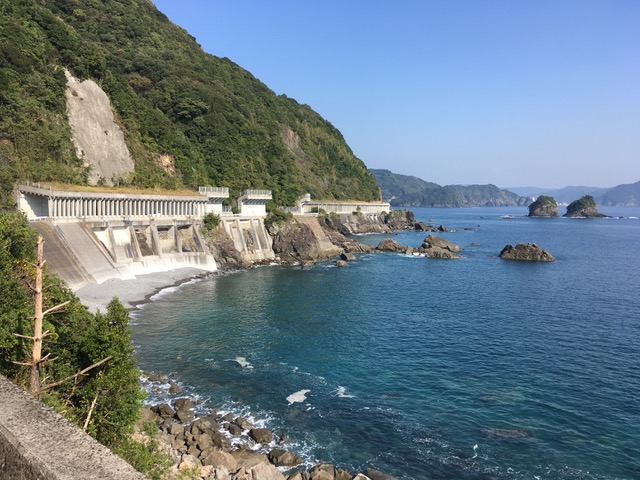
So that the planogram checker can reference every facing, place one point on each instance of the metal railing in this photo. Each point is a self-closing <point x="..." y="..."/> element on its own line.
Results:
<point x="216" y="190"/>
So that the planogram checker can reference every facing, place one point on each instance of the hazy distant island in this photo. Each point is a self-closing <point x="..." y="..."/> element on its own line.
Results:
<point x="625" y="195"/>
<point x="410" y="191"/>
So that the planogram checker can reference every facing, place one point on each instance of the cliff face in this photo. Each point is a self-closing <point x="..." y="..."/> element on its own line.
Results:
<point x="544" y="206"/>
<point x="584" y="207"/>
<point x="98" y="139"/>
<point x="314" y="239"/>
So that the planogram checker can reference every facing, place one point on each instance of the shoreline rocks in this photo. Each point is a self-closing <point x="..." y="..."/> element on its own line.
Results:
<point x="219" y="446"/>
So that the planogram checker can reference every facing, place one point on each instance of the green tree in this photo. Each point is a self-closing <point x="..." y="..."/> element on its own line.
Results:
<point x="105" y="400"/>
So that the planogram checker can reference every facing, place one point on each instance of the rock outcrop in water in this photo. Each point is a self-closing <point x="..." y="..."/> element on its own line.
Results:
<point x="390" y="245"/>
<point x="432" y="247"/>
<point x="585" y="207"/>
<point x="526" y="252"/>
<point x="437" y="247"/>
<point x="544" y="206"/>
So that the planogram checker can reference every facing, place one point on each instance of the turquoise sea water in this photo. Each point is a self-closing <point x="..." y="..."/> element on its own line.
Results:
<point x="406" y="364"/>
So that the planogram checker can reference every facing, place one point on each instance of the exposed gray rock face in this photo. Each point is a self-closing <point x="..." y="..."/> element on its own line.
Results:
<point x="527" y="252"/>
<point x="98" y="139"/>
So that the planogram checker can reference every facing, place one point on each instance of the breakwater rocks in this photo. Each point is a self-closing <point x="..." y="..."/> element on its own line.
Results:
<point x="220" y="446"/>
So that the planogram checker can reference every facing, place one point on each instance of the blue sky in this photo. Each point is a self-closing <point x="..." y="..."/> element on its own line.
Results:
<point x="509" y="92"/>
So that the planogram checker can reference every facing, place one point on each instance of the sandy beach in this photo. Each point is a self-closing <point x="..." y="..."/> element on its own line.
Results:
<point x="134" y="291"/>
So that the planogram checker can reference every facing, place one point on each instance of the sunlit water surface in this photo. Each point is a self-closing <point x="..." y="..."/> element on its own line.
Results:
<point x="429" y="369"/>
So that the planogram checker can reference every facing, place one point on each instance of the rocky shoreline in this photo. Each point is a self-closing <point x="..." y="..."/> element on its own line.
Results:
<point x="218" y="445"/>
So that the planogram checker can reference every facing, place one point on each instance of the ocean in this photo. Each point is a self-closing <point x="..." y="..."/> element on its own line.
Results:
<point x="474" y="368"/>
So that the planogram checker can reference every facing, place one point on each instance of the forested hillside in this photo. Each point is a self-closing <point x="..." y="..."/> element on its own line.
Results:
<point x="189" y="118"/>
<point x="408" y="191"/>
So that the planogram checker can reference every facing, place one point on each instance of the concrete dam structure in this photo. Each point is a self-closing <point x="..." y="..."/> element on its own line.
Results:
<point x="91" y="237"/>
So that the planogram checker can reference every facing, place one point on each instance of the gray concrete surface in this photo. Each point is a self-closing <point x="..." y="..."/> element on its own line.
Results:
<point x="38" y="443"/>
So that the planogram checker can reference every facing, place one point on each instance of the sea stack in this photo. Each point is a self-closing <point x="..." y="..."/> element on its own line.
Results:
<point x="583" y="208"/>
<point x="544" y="206"/>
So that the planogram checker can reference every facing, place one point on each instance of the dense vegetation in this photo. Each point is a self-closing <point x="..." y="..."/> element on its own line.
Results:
<point x="544" y="206"/>
<point x="408" y="191"/>
<point x="77" y="340"/>
<point x="583" y="207"/>
<point x="218" y="124"/>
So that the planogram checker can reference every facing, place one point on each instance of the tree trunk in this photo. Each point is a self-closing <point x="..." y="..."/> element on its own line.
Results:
<point x="36" y="354"/>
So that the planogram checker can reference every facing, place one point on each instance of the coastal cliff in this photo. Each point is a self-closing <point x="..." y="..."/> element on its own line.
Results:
<point x="314" y="239"/>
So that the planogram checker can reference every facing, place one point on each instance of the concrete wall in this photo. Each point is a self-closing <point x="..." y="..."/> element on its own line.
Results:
<point x="86" y="253"/>
<point x="250" y="238"/>
<point x="37" y="443"/>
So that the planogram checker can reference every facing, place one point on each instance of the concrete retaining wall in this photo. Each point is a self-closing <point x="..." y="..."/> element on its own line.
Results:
<point x="37" y="443"/>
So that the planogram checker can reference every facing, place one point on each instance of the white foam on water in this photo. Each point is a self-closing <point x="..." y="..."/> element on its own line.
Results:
<point x="341" y="392"/>
<point x="298" y="397"/>
<point x="242" y="361"/>
<point x="166" y="291"/>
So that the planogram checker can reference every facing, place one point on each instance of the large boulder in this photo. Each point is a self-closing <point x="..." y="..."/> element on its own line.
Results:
<point x="261" y="435"/>
<point x="249" y="458"/>
<point x="544" y="206"/>
<point x="374" y="474"/>
<point x="261" y="471"/>
<point x="433" y="241"/>
<point x="583" y="208"/>
<point x="390" y="245"/>
<point x="184" y="404"/>
<point x="284" y="458"/>
<point x="437" y="247"/>
<point x="218" y="459"/>
<point x="526" y="251"/>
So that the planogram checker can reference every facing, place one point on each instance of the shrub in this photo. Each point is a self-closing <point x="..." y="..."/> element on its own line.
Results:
<point x="211" y="220"/>
<point x="277" y="216"/>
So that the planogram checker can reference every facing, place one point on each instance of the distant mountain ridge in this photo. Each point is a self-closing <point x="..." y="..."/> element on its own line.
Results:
<point x="561" y="195"/>
<point x="410" y="191"/>
<point x="625" y="195"/>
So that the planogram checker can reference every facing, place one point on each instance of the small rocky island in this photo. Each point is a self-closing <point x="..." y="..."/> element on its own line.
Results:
<point x="544" y="206"/>
<point x="585" y="207"/>
<point x="527" y="252"/>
